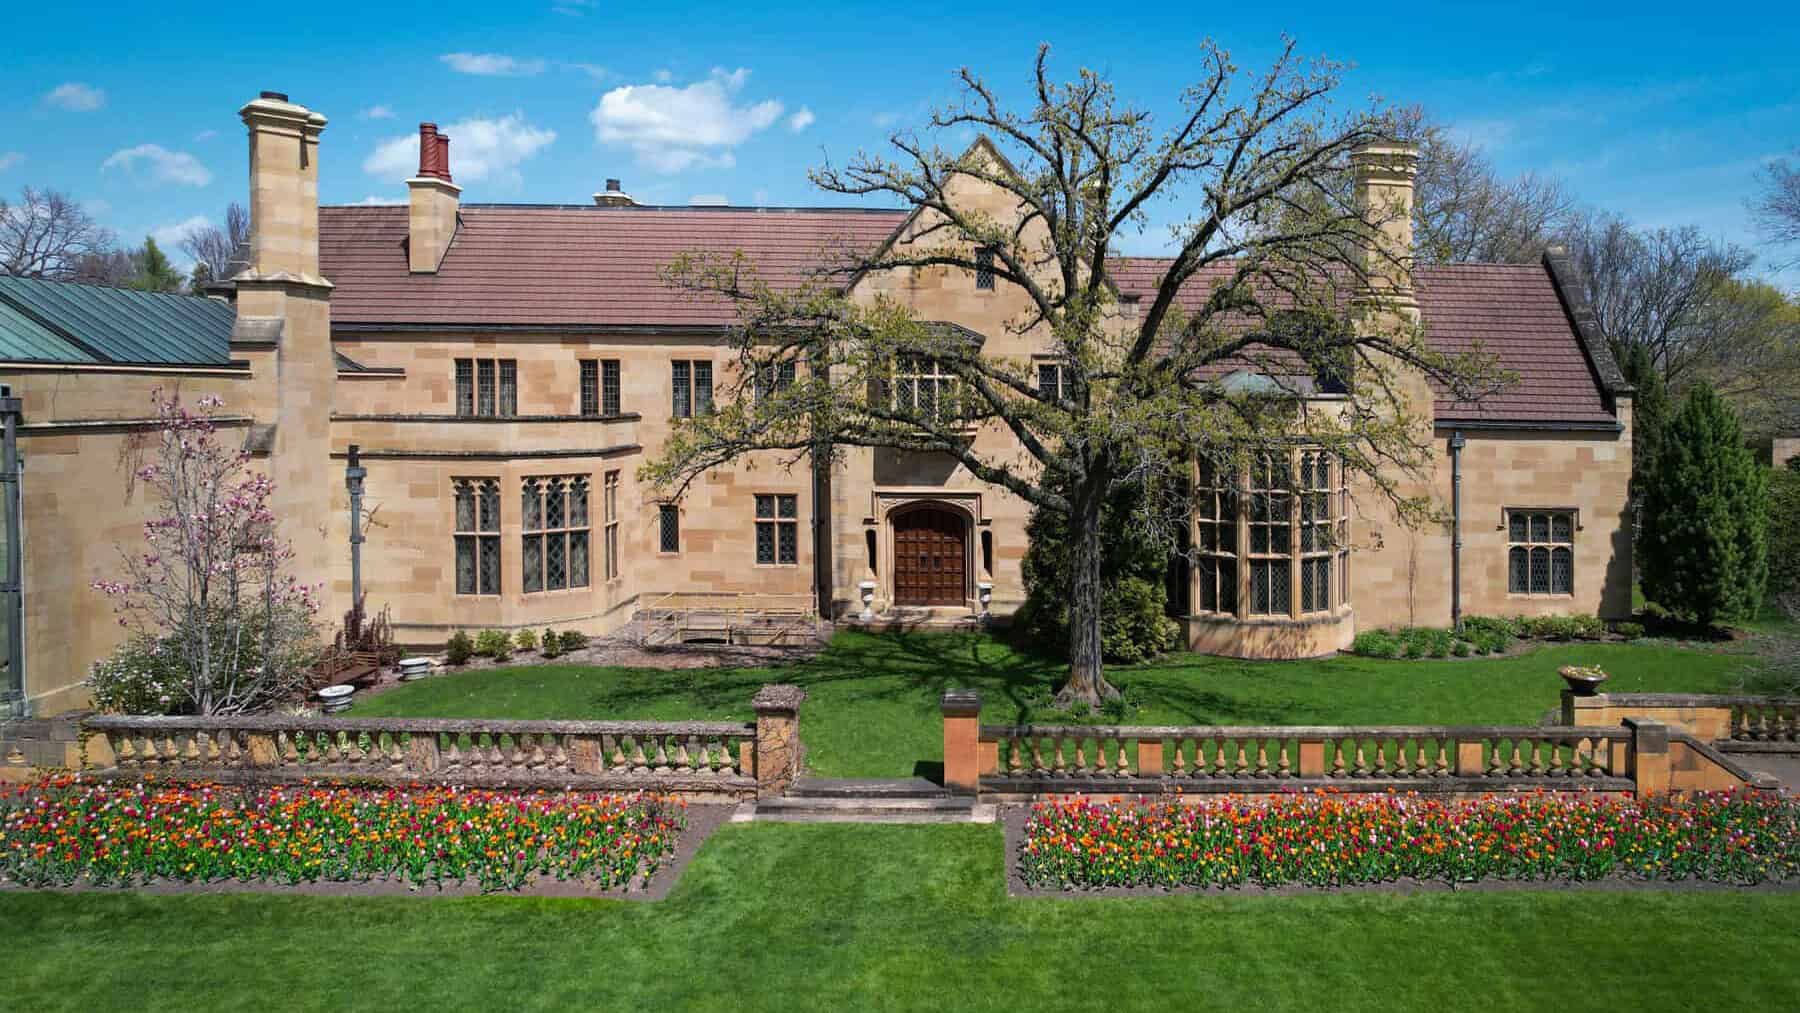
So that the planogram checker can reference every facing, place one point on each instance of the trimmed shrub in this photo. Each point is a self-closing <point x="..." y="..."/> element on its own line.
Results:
<point x="552" y="644"/>
<point x="1375" y="644"/>
<point x="1461" y="649"/>
<point x="1630" y="631"/>
<point x="1132" y="625"/>
<point x="525" y="640"/>
<point x="572" y="640"/>
<point x="495" y="644"/>
<point x="1704" y="547"/>
<point x="459" y="649"/>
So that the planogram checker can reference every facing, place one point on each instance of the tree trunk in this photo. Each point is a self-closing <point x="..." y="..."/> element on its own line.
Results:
<point x="1087" y="679"/>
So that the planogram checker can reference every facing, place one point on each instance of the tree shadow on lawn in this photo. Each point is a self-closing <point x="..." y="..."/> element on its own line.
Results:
<point x="890" y="667"/>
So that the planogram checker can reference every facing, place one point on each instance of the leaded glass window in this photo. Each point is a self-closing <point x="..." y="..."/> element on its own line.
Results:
<point x="1279" y="528"/>
<point x="777" y="529"/>
<point x="609" y="386"/>
<point x="465" y="386"/>
<point x="774" y="378"/>
<point x="555" y="532"/>
<point x="610" y="517"/>
<point x="590" y="387"/>
<point x="477" y="535"/>
<point x="924" y="389"/>
<point x="668" y="522"/>
<point x="1540" y="554"/>
<point x="509" y="387"/>
<point x="487" y="387"/>
<point x="984" y="268"/>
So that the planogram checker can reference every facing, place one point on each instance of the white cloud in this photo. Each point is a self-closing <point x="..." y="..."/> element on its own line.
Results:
<point x="492" y="64"/>
<point x="206" y="135"/>
<point x="377" y="112"/>
<point x="8" y="159"/>
<point x="377" y="201"/>
<point x="664" y="76"/>
<point x="672" y="129"/>
<point x="169" y="236"/>
<point x="76" y="97"/>
<point x="801" y="120"/>
<point x="164" y="166"/>
<point x="478" y="149"/>
<point x="709" y="200"/>
<point x="593" y="70"/>
<point x="98" y="208"/>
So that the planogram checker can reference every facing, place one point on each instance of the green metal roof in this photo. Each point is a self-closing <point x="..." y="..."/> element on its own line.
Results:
<point x="61" y="321"/>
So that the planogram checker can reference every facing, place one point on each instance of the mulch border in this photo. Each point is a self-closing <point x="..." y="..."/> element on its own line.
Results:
<point x="1013" y="817"/>
<point x="702" y="821"/>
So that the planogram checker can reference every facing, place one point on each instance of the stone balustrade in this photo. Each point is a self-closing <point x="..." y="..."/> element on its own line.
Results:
<point x="699" y="758"/>
<point x="1733" y="723"/>
<point x="1027" y="761"/>
<point x="1040" y="757"/>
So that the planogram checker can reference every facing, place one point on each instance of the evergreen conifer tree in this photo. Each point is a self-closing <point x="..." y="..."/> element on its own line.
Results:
<point x="1704" y="544"/>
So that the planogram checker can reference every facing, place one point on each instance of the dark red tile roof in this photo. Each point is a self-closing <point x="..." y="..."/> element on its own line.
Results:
<point x="560" y="267"/>
<point x="572" y="266"/>
<point x="1511" y="311"/>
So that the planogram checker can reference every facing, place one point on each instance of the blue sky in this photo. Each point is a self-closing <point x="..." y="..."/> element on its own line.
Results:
<point x="1657" y="112"/>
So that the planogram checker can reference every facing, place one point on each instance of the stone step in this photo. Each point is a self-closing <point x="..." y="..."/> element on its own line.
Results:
<point x="872" y="810"/>
<point x="863" y="787"/>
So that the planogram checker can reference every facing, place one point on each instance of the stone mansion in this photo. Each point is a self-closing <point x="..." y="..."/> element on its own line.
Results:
<point x="504" y="370"/>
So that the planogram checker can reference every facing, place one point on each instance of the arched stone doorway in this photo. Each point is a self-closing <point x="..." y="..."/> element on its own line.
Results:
<point x="931" y="556"/>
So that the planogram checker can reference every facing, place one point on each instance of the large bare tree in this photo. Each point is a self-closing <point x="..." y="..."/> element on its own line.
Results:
<point x="1652" y="289"/>
<point x="1468" y="212"/>
<point x="213" y="248"/>
<point x="1776" y="206"/>
<point x="1271" y="271"/>
<point x="46" y="234"/>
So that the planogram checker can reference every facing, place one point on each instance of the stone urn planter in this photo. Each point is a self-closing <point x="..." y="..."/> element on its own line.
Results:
<point x="1583" y="680"/>
<point x="412" y="669"/>
<point x="336" y="698"/>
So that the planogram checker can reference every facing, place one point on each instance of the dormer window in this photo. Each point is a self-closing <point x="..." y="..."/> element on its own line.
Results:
<point x="984" y="269"/>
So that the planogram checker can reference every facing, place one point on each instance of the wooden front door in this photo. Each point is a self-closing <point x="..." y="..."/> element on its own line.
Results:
<point x="929" y="548"/>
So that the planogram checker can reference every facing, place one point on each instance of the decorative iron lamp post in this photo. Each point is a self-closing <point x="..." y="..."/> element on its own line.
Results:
<point x="353" y="480"/>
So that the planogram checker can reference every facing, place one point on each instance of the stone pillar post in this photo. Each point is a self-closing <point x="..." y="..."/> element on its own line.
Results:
<point x="1649" y="756"/>
<point x="778" y="748"/>
<point x="962" y="740"/>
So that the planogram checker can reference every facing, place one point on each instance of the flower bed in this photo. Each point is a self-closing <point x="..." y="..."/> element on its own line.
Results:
<point x="1328" y="840"/>
<point x="60" y="832"/>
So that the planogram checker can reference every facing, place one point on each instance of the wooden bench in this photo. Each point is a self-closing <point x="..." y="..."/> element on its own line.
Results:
<point x="355" y="668"/>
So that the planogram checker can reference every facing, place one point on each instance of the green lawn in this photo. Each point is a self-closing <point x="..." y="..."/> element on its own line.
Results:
<point x="872" y="701"/>
<point x="785" y="917"/>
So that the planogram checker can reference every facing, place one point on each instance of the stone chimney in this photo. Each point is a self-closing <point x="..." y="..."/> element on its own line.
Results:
<point x="613" y="197"/>
<point x="432" y="204"/>
<point x="1384" y="173"/>
<point x="283" y="325"/>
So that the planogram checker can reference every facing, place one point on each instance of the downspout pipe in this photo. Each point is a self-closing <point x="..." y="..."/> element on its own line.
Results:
<point x="1456" y="448"/>
<point x="12" y="587"/>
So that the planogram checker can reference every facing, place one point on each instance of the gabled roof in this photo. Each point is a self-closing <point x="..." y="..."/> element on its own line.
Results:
<point x="573" y="266"/>
<point x="584" y="267"/>
<point x="1511" y="311"/>
<point x="61" y="321"/>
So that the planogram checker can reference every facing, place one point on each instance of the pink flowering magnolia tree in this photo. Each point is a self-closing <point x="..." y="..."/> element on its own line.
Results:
<point x="208" y="599"/>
